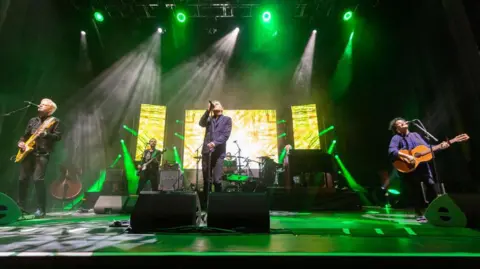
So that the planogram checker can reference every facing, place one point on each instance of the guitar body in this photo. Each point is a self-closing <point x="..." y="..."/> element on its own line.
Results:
<point x="421" y="153"/>
<point x="22" y="154"/>
<point x="30" y="143"/>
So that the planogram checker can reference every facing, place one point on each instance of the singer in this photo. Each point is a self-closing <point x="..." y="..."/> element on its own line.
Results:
<point x="217" y="131"/>
<point x="35" y="164"/>
<point x="404" y="139"/>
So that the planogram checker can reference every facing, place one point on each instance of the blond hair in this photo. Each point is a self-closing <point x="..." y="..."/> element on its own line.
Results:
<point x="216" y="101"/>
<point x="52" y="105"/>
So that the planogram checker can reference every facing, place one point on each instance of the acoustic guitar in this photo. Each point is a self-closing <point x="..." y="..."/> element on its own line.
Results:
<point x="422" y="154"/>
<point x="30" y="143"/>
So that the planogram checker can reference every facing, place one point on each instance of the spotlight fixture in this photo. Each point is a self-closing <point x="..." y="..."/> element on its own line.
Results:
<point x="159" y="30"/>
<point x="314" y="31"/>
<point x="347" y="16"/>
<point x="181" y="17"/>
<point x="266" y="16"/>
<point x="98" y="16"/>
<point x="83" y="33"/>
<point x="237" y="29"/>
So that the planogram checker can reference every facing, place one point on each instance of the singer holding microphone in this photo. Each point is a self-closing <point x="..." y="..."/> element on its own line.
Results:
<point x="34" y="165"/>
<point x="218" y="128"/>
<point x="404" y="139"/>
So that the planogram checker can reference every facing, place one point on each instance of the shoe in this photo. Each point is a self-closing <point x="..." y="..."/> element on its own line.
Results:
<point x="422" y="219"/>
<point x="39" y="214"/>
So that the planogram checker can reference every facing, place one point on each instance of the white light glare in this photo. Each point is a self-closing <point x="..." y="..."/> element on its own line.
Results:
<point x="314" y="31"/>
<point x="237" y="29"/>
<point x="159" y="30"/>
<point x="83" y="33"/>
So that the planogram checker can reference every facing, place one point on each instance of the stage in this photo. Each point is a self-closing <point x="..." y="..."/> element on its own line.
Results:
<point x="373" y="232"/>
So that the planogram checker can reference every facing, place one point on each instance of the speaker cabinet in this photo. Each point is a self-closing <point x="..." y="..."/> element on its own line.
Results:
<point x="109" y="204"/>
<point x="244" y="212"/>
<point x="170" y="180"/>
<point x="115" y="183"/>
<point x="155" y="211"/>
<point x="9" y="210"/>
<point x="130" y="204"/>
<point x="455" y="210"/>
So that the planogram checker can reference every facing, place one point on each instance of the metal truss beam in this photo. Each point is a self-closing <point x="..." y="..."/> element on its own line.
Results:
<point x="201" y="8"/>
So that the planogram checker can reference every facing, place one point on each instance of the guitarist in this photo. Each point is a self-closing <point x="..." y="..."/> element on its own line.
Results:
<point x="151" y="159"/>
<point x="35" y="164"/>
<point x="404" y="139"/>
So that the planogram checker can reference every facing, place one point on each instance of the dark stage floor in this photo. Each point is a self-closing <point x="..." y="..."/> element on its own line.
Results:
<point x="373" y="232"/>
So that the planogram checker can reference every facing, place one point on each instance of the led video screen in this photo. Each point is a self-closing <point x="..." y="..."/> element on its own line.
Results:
<point x="254" y="130"/>
<point x="151" y="125"/>
<point x="305" y="127"/>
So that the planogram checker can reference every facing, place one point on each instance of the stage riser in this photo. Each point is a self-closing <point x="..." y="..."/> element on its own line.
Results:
<point x="308" y="199"/>
<point x="298" y="200"/>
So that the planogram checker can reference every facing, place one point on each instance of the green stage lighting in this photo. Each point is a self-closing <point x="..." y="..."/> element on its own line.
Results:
<point x="347" y="16"/>
<point x="266" y="16"/>
<point x="181" y="17"/>
<point x="98" y="16"/>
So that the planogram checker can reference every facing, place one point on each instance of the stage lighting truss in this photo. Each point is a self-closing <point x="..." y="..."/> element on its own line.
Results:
<point x="150" y="9"/>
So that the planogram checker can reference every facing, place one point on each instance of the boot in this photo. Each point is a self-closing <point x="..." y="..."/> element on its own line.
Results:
<point x="40" y="190"/>
<point x="22" y="195"/>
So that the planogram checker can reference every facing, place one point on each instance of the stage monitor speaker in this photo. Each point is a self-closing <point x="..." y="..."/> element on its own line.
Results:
<point x="455" y="210"/>
<point x="9" y="210"/>
<point x="109" y="204"/>
<point x="243" y="212"/>
<point x="157" y="211"/>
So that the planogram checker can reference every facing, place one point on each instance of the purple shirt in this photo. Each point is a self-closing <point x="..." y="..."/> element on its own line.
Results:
<point x="409" y="141"/>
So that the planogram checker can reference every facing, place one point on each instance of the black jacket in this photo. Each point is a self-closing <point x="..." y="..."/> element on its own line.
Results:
<point x="46" y="143"/>
<point x="147" y="156"/>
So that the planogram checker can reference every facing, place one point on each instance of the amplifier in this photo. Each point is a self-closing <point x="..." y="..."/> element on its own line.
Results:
<point x="170" y="180"/>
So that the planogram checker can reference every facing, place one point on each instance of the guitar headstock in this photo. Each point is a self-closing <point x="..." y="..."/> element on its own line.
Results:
<point x="460" y="138"/>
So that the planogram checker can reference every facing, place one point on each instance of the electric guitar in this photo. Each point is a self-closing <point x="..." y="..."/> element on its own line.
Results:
<point x="145" y="165"/>
<point x="422" y="154"/>
<point x="30" y="143"/>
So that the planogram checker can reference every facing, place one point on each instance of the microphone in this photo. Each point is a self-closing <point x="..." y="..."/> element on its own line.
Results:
<point x="30" y="103"/>
<point x="235" y="141"/>
<point x="410" y="121"/>
<point x="211" y="105"/>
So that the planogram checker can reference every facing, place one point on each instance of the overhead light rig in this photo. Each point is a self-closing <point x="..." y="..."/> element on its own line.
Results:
<point x="152" y="9"/>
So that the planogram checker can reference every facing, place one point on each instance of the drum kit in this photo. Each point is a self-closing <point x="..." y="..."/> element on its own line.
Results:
<point x="238" y="175"/>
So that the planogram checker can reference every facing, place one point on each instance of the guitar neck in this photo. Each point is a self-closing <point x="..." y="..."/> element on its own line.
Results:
<point x="439" y="147"/>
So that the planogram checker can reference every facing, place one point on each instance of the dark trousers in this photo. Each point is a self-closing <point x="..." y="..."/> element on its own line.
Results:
<point x="33" y="167"/>
<point x="216" y="172"/>
<point x="419" y="196"/>
<point x="150" y="174"/>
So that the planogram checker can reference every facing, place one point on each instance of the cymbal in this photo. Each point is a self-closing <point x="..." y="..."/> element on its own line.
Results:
<point x="197" y="157"/>
<point x="265" y="157"/>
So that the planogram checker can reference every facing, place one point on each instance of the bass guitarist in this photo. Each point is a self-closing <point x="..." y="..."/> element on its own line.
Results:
<point x="404" y="139"/>
<point x="34" y="165"/>
<point x="148" y="168"/>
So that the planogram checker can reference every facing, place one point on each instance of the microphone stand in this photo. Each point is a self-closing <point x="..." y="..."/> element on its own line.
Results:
<point x="15" y="111"/>
<point x="429" y="136"/>
<point x="207" y="192"/>
<point x="196" y="174"/>
<point x="239" y="158"/>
